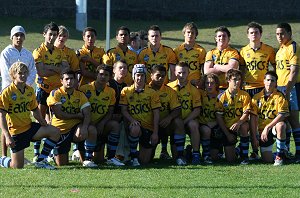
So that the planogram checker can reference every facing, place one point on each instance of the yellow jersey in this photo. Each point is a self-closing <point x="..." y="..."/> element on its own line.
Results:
<point x="71" y="58"/>
<point x="18" y="106"/>
<point x="208" y="108"/>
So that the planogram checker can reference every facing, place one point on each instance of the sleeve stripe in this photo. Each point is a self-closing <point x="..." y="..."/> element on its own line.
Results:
<point x="85" y="105"/>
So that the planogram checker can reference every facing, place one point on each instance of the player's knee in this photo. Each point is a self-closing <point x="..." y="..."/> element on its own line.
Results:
<point x="135" y="131"/>
<point x="54" y="133"/>
<point x="193" y="124"/>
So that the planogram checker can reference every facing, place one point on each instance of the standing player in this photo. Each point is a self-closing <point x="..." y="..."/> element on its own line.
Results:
<point x="122" y="52"/>
<point x="232" y="117"/>
<point x="287" y="68"/>
<point x="71" y="114"/>
<point x="189" y="97"/>
<point x="222" y="58"/>
<point x="191" y="53"/>
<point x="255" y="60"/>
<point x="102" y="99"/>
<point x="270" y="108"/>
<point x="140" y="108"/>
<point x="156" y="53"/>
<point x="11" y="54"/>
<point x="134" y="42"/>
<point x="17" y="101"/>
<point x="89" y="55"/>
<point x="170" y="123"/>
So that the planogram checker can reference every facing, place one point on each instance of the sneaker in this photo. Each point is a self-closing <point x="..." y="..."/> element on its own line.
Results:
<point x="164" y="155"/>
<point x="51" y="158"/>
<point x="196" y="159"/>
<point x="115" y="162"/>
<point x="44" y="164"/>
<point x="89" y="164"/>
<point x="76" y="156"/>
<point x="278" y="161"/>
<point x="135" y="162"/>
<point x="245" y="162"/>
<point x="207" y="160"/>
<point x="180" y="161"/>
<point x="35" y="158"/>
<point x="254" y="156"/>
<point x="26" y="161"/>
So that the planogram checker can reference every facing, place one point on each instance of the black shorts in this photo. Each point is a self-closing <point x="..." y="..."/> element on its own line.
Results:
<point x="41" y="96"/>
<point x="64" y="144"/>
<point x="163" y="132"/>
<point x="218" y="138"/>
<point x="145" y="138"/>
<point x="269" y="142"/>
<point x="23" y="140"/>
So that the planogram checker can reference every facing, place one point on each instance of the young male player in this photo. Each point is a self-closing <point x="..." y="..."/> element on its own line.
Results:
<point x="270" y="109"/>
<point x="189" y="97"/>
<point x="140" y="107"/>
<point x="71" y="114"/>
<point x="17" y="101"/>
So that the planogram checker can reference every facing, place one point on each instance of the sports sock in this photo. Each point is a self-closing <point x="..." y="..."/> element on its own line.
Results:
<point x="280" y="146"/>
<point x="113" y="141"/>
<point x="36" y="148"/>
<point x="205" y="147"/>
<point x="133" y="144"/>
<point x="296" y="135"/>
<point x="164" y="143"/>
<point x="288" y="138"/>
<point x="179" y="141"/>
<point x="89" y="149"/>
<point x="48" y="146"/>
<point x="244" y="147"/>
<point x="5" y="161"/>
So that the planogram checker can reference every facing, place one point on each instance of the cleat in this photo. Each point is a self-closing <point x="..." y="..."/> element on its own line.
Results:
<point x="254" y="156"/>
<point x="44" y="164"/>
<point x="180" y="161"/>
<point x="164" y="155"/>
<point x="196" y="159"/>
<point x="89" y="164"/>
<point x="207" y="160"/>
<point x="245" y="162"/>
<point x="115" y="162"/>
<point x="76" y="156"/>
<point x="135" y="162"/>
<point x="278" y="161"/>
<point x="35" y="158"/>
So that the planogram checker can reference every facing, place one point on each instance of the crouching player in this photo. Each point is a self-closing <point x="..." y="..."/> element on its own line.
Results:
<point x="16" y="102"/>
<point x="102" y="99"/>
<point x="170" y="123"/>
<point x="232" y="117"/>
<point x="140" y="107"/>
<point x="207" y="118"/>
<point x="189" y="97"/>
<point x="270" y="109"/>
<point x="71" y="114"/>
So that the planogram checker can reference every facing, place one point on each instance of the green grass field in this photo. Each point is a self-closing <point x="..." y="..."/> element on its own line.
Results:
<point x="159" y="179"/>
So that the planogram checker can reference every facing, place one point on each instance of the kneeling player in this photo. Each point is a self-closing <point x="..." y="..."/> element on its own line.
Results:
<point x="102" y="99"/>
<point x="270" y="109"/>
<point x="71" y="114"/>
<point x="16" y="102"/>
<point x="140" y="108"/>
<point x="170" y="123"/>
<point x="232" y="117"/>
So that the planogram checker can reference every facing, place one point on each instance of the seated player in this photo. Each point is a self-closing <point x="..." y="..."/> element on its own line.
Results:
<point x="102" y="99"/>
<point x="189" y="97"/>
<point x="270" y="109"/>
<point x="72" y="115"/>
<point x="140" y="107"/>
<point x="232" y="117"/>
<point x="207" y="118"/>
<point x="170" y="123"/>
<point x="17" y="101"/>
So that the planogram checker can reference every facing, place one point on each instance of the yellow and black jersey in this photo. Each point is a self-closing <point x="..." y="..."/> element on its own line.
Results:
<point x="286" y="56"/>
<point x="233" y="108"/>
<point x="140" y="104"/>
<point x="164" y="56"/>
<point x="222" y="58"/>
<point x="71" y="104"/>
<point x="208" y="108"/>
<point x="194" y="57"/>
<point x="115" y="54"/>
<point x="72" y="59"/>
<point x="96" y="53"/>
<point x="100" y="101"/>
<point x="18" y="106"/>
<point x="268" y="107"/>
<point x="47" y="57"/>
<point x="255" y="64"/>
<point x="168" y="99"/>
<point x="189" y="97"/>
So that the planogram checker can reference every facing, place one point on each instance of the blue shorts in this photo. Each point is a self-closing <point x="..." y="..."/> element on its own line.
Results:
<point x="41" y="96"/>
<point x="23" y="140"/>
<point x="294" y="102"/>
<point x="254" y="91"/>
<point x="64" y="143"/>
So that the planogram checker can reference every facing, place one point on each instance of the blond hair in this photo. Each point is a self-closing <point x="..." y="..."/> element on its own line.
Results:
<point x="16" y="68"/>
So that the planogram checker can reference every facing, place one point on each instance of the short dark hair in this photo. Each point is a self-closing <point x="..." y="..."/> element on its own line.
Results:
<point x="154" y="28"/>
<point x="105" y="68"/>
<point x="122" y="28"/>
<point x="212" y="76"/>
<point x="51" y="26"/>
<point x="285" y="26"/>
<point x="232" y="73"/>
<point x="67" y="71"/>
<point x="160" y="68"/>
<point x="223" y="29"/>
<point x="182" y="64"/>
<point x="272" y="73"/>
<point x="192" y="26"/>
<point x="254" y="24"/>
<point x="89" y="29"/>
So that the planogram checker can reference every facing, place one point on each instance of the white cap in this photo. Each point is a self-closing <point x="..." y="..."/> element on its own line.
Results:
<point x="17" y="29"/>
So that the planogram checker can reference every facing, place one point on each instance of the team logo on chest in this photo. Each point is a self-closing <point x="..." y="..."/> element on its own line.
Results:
<point x="118" y="57"/>
<point x="88" y="94"/>
<point x="14" y="96"/>
<point x="146" y="58"/>
<point x="63" y="99"/>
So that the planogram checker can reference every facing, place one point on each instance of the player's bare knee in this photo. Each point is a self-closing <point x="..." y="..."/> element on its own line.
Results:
<point x="135" y="131"/>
